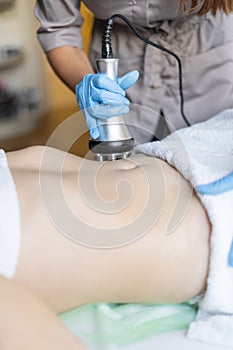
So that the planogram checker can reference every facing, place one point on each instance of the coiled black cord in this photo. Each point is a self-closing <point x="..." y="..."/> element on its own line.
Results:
<point x="107" y="52"/>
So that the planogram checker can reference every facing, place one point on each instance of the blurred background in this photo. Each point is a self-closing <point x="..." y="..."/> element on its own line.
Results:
<point x="33" y="101"/>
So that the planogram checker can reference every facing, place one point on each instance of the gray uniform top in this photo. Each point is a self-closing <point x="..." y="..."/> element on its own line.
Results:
<point x="204" y="45"/>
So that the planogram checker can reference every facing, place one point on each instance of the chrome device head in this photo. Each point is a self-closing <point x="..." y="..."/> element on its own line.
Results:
<point x="115" y="140"/>
<point x="111" y="150"/>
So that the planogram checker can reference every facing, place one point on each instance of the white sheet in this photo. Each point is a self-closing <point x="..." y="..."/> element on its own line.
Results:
<point x="172" y="340"/>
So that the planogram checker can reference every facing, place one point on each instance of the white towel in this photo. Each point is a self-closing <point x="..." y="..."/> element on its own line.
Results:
<point x="204" y="153"/>
<point x="10" y="234"/>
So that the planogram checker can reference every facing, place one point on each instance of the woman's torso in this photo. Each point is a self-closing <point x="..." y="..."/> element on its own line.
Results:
<point x="141" y="206"/>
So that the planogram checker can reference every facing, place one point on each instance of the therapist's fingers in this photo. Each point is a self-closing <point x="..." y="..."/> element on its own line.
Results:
<point x="102" y="81"/>
<point x="107" y="111"/>
<point x="128" y="79"/>
<point x="108" y="97"/>
<point x="91" y="124"/>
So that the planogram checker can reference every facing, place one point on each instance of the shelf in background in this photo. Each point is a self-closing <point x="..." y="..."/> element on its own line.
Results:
<point x="43" y="130"/>
<point x="10" y="56"/>
<point x="6" y="4"/>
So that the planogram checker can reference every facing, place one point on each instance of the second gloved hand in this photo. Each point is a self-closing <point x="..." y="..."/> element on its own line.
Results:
<point x="101" y="97"/>
<point x="217" y="187"/>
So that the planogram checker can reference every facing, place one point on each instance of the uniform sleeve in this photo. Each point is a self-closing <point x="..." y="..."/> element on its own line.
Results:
<point x="60" y="23"/>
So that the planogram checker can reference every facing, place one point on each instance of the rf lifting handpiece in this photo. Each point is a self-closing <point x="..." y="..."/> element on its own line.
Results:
<point x="115" y="140"/>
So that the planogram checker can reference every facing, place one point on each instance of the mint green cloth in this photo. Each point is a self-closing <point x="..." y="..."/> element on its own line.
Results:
<point x="99" y="325"/>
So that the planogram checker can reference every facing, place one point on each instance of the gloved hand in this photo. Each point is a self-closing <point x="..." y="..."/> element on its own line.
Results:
<point x="101" y="97"/>
<point x="222" y="185"/>
<point x="219" y="186"/>
<point x="230" y="255"/>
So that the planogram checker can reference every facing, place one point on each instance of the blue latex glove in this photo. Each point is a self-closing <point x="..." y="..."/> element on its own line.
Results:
<point x="222" y="185"/>
<point x="101" y="97"/>
<point x="219" y="186"/>
<point x="230" y="256"/>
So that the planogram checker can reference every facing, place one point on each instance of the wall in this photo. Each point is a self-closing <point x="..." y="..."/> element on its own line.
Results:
<point x="59" y="101"/>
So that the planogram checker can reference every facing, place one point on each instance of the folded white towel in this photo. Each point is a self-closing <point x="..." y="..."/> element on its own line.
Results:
<point x="204" y="153"/>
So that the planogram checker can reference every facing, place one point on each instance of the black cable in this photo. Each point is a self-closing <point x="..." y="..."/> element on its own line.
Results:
<point x="107" y="53"/>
